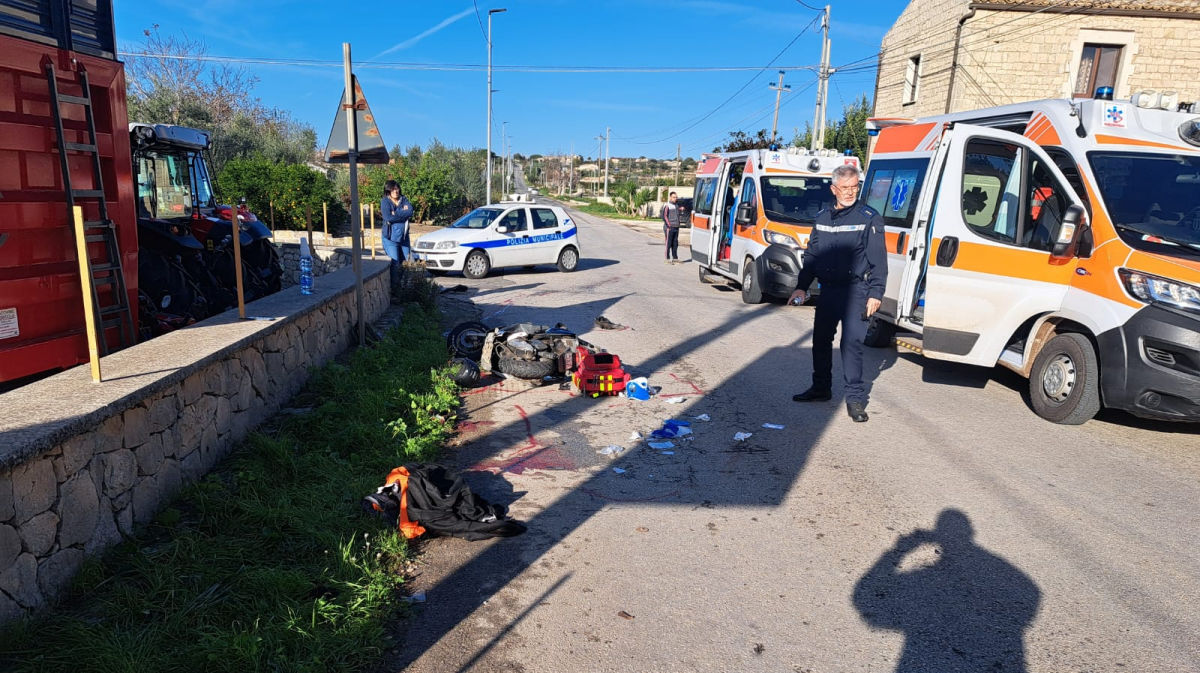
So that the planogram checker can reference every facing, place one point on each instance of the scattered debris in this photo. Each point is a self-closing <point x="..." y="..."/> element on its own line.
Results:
<point x="618" y="470"/>
<point x="671" y="429"/>
<point x="611" y="450"/>
<point x="675" y="400"/>
<point x="418" y="597"/>
<point x="759" y="648"/>
<point x="605" y="323"/>
<point x="624" y="615"/>
<point x="772" y="426"/>
<point x="638" y="389"/>
<point x="742" y="436"/>
<point x="661" y="445"/>
<point x="702" y="417"/>
<point x="668" y="453"/>
<point x="643" y="529"/>
<point x="634" y="436"/>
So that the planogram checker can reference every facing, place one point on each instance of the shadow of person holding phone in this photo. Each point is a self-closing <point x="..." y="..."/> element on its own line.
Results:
<point x="966" y="610"/>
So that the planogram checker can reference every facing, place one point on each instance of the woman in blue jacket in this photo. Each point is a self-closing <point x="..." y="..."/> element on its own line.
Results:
<point x="396" y="211"/>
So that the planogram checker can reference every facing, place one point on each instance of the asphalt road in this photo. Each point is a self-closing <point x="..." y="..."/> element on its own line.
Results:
<point x="956" y="531"/>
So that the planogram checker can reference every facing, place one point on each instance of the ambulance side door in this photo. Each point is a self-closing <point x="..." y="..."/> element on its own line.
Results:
<point x="703" y="219"/>
<point x="892" y="188"/>
<point x="986" y="263"/>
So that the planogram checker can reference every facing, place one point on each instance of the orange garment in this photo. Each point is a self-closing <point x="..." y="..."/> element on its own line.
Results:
<point x="408" y="528"/>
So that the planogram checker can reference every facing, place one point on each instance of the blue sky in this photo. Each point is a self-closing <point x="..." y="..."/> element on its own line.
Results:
<point x="546" y="112"/>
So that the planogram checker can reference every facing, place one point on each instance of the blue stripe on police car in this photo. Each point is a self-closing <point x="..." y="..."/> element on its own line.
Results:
<point x="525" y="240"/>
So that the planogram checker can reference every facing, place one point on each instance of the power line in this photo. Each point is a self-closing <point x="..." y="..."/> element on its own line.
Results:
<point x="452" y="67"/>
<point x="480" y="20"/>
<point x="735" y="93"/>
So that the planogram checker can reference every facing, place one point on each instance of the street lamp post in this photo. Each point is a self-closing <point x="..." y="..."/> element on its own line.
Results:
<point x="488" y="197"/>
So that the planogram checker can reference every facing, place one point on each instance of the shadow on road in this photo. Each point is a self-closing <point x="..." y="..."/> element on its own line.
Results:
<point x="960" y="607"/>
<point x="718" y="471"/>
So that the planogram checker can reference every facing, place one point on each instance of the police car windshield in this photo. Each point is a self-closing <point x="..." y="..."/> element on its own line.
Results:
<point x="479" y="218"/>
<point x="795" y="199"/>
<point x="1153" y="199"/>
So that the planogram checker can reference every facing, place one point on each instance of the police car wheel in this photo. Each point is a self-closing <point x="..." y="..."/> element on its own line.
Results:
<point x="1064" y="383"/>
<point x="751" y="292"/>
<point x="477" y="265"/>
<point x="568" y="260"/>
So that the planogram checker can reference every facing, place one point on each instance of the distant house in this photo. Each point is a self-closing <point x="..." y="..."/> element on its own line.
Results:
<point x="952" y="55"/>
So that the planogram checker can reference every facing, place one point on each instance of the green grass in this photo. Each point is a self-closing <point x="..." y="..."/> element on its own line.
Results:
<point x="267" y="563"/>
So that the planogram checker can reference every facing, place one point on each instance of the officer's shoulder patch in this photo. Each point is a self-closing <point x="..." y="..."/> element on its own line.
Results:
<point x="869" y="211"/>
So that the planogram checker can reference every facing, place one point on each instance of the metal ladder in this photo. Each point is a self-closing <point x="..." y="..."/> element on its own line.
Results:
<point x="108" y="271"/>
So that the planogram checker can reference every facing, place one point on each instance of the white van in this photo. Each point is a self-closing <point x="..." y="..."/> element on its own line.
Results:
<point x="1057" y="238"/>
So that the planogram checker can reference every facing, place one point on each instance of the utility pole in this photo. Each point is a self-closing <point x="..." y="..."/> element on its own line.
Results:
<point x="503" y="160"/>
<point x="818" y="133"/>
<point x="607" y="156"/>
<point x="778" y="89"/>
<point x="599" y="153"/>
<point x="571" y="178"/>
<point x="678" y="161"/>
<point x="488" y="171"/>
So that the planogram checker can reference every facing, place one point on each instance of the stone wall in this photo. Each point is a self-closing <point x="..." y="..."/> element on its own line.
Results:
<point x="1009" y="57"/>
<point x="325" y="261"/>
<point x="82" y="463"/>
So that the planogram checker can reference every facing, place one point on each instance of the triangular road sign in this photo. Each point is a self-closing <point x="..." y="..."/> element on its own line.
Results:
<point x="371" y="149"/>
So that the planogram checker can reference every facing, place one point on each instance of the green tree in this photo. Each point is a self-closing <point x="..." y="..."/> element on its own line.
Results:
<point x="172" y="84"/>
<point x="294" y="191"/>
<point x="739" y="140"/>
<point x="848" y="133"/>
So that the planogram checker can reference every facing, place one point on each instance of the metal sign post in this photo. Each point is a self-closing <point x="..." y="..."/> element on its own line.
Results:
<point x="355" y="213"/>
<point x="368" y="149"/>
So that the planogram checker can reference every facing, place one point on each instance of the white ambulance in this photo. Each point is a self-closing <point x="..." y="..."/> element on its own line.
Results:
<point x="1058" y="238"/>
<point x="777" y="192"/>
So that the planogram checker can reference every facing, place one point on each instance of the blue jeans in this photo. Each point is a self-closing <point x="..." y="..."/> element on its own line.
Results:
<point x="396" y="255"/>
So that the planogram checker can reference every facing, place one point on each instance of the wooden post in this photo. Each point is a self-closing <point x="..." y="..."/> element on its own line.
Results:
<point x="89" y="307"/>
<point x="272" y="215"/>
<point x="308" y="222"/>
<point x="371" y="218"/>
<point x="325" y="220"/>
<point x="237" y="261"/>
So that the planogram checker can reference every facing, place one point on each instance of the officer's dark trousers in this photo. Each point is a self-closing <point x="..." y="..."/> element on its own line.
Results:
<point x="672" y="234"/>
<point x="845" y="304"/>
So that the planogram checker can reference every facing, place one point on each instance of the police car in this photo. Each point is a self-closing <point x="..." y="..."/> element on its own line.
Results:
<point x="500" y="235"/>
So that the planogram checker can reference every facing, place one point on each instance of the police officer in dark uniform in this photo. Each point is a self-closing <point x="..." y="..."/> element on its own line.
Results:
<point x="847" y="254"/>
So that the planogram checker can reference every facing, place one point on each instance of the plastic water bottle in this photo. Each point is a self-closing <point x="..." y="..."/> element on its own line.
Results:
<point x="306" y="266"/>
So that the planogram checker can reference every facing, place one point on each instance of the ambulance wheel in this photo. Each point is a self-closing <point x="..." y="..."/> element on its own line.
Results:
<point x="1064" y="383"/>
<point x="477" y="264"/>
<point x="703" y="274"/>
<point x="525" y="369"/>
<point x="568" y="259"/>
<point x="751" y="292"/>
<point x="879" y="334"/>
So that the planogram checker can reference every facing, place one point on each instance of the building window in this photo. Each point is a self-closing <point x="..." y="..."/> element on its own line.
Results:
<point x="1097" y="67"/>
<point x="912" y="79"/>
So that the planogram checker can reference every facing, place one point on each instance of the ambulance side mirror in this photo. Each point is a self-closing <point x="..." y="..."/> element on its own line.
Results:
<point x="1073" y="230"/>
<point x="745" y="214"/>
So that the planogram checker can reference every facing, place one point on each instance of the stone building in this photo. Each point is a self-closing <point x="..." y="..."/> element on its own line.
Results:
<point x="952" y="55"/>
